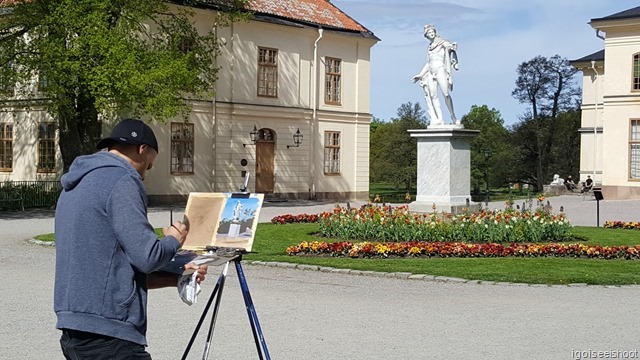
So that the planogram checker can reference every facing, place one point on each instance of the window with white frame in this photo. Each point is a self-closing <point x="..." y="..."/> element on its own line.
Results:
<point x="331" y="152"/>
<point x="6" y="146"/>
<point x="333" y="78"/>
<point x="182" y="141"/>
<point x="267" y="72"/>
<point x="44" y="84"/>
<point x="634" y="149"/>
<point x="46" y="147"/>
<point x="636" y="72"/>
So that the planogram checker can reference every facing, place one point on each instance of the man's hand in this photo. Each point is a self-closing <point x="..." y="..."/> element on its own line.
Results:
<point x="178" y="230"/>
<point x="201" y="270"/>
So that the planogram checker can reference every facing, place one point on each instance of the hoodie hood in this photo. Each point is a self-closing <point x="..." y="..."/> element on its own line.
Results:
<point x="85" y="164"/>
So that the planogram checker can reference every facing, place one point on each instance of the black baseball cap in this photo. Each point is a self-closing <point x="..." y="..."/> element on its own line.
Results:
<point x="130" y="131"/>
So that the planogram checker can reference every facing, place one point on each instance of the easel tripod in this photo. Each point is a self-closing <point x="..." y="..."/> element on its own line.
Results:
<point x="261" y="345"/>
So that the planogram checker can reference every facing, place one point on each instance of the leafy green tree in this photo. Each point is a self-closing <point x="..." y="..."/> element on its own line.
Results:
<point x="547" y="84"/>
<point x="393" y="152"/>
<point x="565" y="153"/>
<point x="98" y="58"/>
<point x="375" y="122"/>
<point x="494" y="136"/>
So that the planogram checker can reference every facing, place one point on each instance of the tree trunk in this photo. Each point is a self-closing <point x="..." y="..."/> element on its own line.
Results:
<point x="78" y="127"/>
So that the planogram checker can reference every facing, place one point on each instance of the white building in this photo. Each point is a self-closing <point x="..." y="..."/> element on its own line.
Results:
<point x="299" y="67"/>
<point x="610" y="131"/>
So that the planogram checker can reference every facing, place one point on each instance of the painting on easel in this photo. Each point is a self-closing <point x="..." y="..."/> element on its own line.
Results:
<point x="222" y="220"/>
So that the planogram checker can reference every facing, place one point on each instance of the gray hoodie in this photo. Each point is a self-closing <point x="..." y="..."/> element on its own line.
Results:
<point x="105" y="247"/>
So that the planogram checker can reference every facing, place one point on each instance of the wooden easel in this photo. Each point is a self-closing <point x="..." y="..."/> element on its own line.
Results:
<point x="235" y="256"/>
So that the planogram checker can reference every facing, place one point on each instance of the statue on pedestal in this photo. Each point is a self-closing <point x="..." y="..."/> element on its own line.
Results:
<point x="437" y="73"/>
<point x="234" y="227"/>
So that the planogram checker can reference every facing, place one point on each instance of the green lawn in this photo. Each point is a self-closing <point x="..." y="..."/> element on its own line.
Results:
<point x="272" y="241"/>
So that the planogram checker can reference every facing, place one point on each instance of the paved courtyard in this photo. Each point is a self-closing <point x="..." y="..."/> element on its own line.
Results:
<point x="328" y="315"/>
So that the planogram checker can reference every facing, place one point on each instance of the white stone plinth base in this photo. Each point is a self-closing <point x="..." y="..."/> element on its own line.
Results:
<point x="454" y="208"/>
<point x="444" y="169"/>
<point x="234" y="230"/>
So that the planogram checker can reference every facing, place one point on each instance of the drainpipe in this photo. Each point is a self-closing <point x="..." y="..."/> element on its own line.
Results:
<point x="314" y="118"/>
<point x="595" y="120"/>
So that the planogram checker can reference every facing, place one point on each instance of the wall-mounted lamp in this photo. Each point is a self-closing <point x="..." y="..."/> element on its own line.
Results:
<point x="297" y="139"/>
<point x="253" y="135"/>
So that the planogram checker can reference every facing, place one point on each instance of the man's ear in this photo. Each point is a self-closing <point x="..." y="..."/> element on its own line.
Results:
<point x="142" y="148"/>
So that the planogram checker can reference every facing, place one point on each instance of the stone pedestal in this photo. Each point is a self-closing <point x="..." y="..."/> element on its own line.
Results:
<point x="234" y="230"/>
<point x="444" y="168"/>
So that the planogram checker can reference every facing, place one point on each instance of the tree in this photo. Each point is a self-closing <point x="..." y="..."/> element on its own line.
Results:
<point x="494" y="136"/>
<point x="565" y="153"/>
<point x="373" y="125"/>
<point x="548" y="85"/>
<point x="95" y="59"/>
<point x="393" y="151"/>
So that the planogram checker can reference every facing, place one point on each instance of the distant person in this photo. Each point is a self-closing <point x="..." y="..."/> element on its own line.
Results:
<point x="587" y="185"/>
<point x="107" y="252"/>
<point x="437" y="73"/>
<point x="568" y="182"/>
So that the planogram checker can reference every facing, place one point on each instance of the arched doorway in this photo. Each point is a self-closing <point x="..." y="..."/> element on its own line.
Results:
<point x="265" y="161"/>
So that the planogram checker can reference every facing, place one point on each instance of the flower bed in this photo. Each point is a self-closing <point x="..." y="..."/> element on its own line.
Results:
<point x="465" y="250"/>
<point x="302" y="218"/>
<point x="398" y="224"/>
<point x="622" y="225"/>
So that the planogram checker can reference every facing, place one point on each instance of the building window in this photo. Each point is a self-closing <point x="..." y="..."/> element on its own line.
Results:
<point x="636" y="72"/>
<point x="6" y="147"/>
<point x="332" y="152"/>
<point x="634" y="150"/>
<point x="267" y="72"/>
<point x="46" y="147"/>
<point x="333" y="76"/>
<point x="7" y="87"/>
<point x="181" y="148"/>
<point x="44" y="84"/>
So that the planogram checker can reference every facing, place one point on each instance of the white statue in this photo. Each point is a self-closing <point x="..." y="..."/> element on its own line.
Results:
<point x="437" y="73"/>
<point x="236" y="211"/>
<point x="557" y="180"/>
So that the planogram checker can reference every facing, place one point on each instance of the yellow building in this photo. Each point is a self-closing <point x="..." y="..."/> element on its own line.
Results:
<point x="610" y="131"/>
<point x="296" y="77"/>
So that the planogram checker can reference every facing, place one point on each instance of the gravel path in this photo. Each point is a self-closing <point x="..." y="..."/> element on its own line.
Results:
<point x="329" y="315"/>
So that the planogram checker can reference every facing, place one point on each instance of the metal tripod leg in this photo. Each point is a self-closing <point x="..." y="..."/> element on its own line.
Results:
<point x="216" y="294"/>
<point x="261" y="345"/>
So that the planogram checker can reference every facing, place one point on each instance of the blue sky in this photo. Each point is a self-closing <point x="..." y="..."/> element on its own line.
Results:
<point x="493" y="36"/>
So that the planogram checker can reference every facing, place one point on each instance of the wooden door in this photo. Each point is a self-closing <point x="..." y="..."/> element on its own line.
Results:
<point x="265" y="160"/>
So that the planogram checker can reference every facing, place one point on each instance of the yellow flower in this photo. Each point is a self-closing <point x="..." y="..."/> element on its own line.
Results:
<point x="414" y="250"/>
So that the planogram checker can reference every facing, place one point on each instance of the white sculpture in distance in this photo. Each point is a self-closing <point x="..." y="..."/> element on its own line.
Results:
<point x="437" y="73"/>
<point x="557" y="180"/>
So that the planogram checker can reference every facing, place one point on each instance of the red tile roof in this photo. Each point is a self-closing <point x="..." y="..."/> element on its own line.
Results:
<point x="320" y="12"/>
